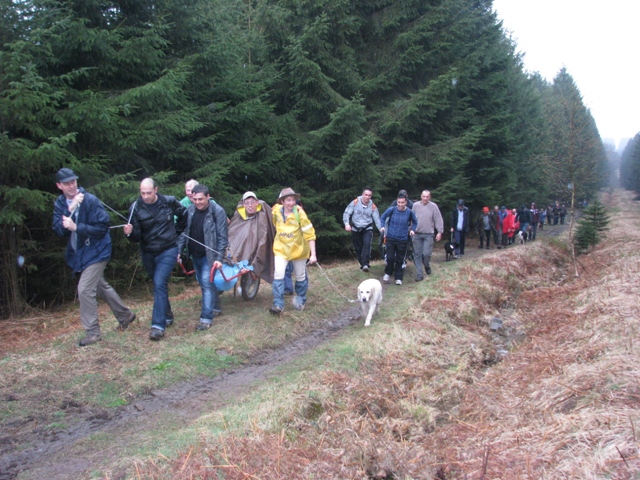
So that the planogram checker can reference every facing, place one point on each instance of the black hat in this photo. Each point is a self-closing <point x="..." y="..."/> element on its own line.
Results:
<point x="461" y="202"/>
<point x="65" y="175"/>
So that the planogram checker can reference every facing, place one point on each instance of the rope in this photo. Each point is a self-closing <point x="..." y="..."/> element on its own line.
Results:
<point x="334" y="286"/>
<point x="114" y="211"/>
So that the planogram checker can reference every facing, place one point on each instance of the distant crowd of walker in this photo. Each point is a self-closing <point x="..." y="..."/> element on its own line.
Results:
<point x="281" y="239"/>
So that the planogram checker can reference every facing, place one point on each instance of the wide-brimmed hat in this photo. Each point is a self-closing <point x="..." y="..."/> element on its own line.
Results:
<point x="287" y="192"/>
<point x="65" y="175"/>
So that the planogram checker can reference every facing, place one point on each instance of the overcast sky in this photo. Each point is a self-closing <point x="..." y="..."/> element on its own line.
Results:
<point x="598" y="43"/>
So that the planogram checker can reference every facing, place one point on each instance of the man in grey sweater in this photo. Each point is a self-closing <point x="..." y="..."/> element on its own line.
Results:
<point x="358" y="218"/>
<point x="429" y="224"/>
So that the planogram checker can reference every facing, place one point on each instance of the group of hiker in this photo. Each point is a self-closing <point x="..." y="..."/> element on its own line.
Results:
<point x="419" y="224"/>
<point x="277" y="241"/>
<point x="281" y="238"/>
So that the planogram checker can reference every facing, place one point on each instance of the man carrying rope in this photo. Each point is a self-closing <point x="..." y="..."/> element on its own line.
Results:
<point x="80" y="217"/>
<point x="151" y="224"/>
<point x="206" y="241"/>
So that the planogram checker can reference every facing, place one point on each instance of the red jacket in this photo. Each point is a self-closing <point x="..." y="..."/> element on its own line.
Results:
<point x="507" y="223"/>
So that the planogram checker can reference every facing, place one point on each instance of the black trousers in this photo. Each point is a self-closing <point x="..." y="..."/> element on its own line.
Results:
<point x="396" y="250"/>
<point x="362" y="245"/>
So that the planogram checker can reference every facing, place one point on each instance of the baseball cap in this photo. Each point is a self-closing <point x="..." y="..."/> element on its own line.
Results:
<point x="65" y="175"/>
<point x="249" y="195"/>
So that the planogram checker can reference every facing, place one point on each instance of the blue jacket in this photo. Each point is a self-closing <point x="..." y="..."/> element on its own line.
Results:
<point x="215" y="232"/>
<point x="400" y="222"/>
<point x="94" y="240"/>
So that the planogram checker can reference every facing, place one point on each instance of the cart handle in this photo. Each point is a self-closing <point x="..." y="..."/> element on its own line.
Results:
<point x="213" y="274"/>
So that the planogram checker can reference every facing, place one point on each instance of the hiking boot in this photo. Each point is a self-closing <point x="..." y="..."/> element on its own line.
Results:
<point x="169" y="322"/>
<point x="365" y="268"/>
<point x="288" y="292"/>
<point x="124" y="325"/>
<point x="156" y="334"/>
<point x="202" y="326"/>
<point x="398" y="282"/>
<point x="89" y="340"/>
<point x="386" y="278"/>
<point x="419" y="278"/>
<point x="275" y="310"/>
<point x="428" y="269"/>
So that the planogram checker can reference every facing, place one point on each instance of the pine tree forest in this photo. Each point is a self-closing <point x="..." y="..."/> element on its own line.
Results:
<point x="322" y="96"/>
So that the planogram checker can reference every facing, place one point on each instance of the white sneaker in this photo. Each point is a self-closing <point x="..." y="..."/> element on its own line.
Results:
<point x="398" y="282"/>
<point x="386" y="278"/>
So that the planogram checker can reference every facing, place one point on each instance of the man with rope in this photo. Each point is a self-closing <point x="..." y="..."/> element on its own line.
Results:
<point x="151" y="224"/>
<point x="206" y="240"/>
<point x="80" y="217"/>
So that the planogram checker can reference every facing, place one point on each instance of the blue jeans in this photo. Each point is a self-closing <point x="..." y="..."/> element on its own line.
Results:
<point x="278" y="285"/>
<point x="159" y="267"/>
<point x="288" y="281"/>
<point x="211" y="304"/>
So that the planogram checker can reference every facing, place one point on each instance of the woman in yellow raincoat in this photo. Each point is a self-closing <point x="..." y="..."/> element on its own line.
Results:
<point x="295" y="242"/>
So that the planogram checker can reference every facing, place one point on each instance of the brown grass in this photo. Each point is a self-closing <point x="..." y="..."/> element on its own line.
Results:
<point x="564" y="404"/>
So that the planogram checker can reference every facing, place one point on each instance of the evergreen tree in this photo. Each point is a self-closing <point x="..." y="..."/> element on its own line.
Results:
<point x="576" y="158"/>
<point x="630" y="165"/>
<point x="591" y="226"/>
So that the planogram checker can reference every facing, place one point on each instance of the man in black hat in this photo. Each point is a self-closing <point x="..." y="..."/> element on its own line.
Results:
<point x="460" y="226"/>
<point x="81" y="218"/>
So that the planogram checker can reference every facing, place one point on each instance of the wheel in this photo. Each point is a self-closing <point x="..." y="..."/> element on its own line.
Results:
<point x="250" y="283"/>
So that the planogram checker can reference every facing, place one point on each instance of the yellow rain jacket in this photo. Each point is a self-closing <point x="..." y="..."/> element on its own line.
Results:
<point x="292" y="233"/>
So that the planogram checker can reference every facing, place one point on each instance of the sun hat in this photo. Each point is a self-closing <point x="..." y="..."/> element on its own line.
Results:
<point x="287" y="192"/>
<point x="249" y="195"/>
<point x="65" y="175"/>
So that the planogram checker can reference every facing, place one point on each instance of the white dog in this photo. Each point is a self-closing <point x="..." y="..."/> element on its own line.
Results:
<point x="370" y="297"/>
<point x="520" y="238"/>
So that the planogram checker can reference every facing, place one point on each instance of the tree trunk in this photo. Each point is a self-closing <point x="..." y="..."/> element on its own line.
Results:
<point x="12" y="299"/>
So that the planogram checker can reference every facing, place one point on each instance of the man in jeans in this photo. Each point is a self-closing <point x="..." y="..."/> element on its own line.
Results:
<point x="359" y="218"/>
<point x="152" y="225"/>
<point x="429" y="223"/>
<point x="81" y="218"/>
<point x="402" y="225"/>
<point x="206" y="240"/>
<point x="460" y="226"/>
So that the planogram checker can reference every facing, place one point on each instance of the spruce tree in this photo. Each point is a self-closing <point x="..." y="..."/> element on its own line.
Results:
<point x="591" y="226"/>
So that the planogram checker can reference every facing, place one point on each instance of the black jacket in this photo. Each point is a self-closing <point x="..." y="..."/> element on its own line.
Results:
<point x="215" y="232"/>
<point x="465" y="221"/>
<point x="155" y="229"/>
<point x="524" y="216"/>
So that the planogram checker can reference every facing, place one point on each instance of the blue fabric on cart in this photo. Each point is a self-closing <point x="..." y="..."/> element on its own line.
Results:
<point x="230" y="271"/>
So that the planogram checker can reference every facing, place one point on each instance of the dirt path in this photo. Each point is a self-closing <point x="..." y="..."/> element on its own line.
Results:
<point x="34" y="452"/>
<point x="61" y="455"/>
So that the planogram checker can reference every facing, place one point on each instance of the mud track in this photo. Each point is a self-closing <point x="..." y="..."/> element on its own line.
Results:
<point x="42" y="453"/>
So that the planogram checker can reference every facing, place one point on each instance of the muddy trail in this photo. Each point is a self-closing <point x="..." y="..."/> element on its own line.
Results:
<point x="36" y="451"/>
<point x="40" y="450"/>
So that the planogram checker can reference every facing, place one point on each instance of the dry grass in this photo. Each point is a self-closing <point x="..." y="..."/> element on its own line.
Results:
<point x="563" y="404"/>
